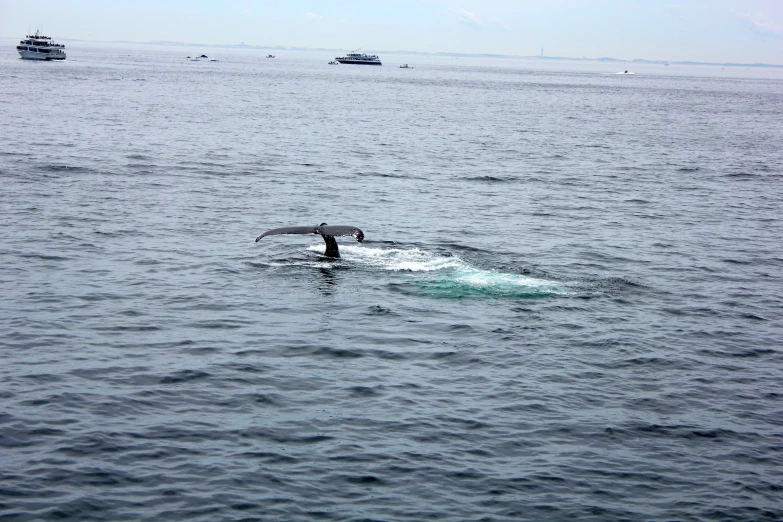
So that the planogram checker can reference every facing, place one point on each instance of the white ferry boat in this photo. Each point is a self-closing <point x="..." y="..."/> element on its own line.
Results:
<point x="357" y="58"/>
<point x="39" y="47"/>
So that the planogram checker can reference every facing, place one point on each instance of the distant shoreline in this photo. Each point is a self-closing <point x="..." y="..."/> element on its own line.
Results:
<point x="422" y="53"/>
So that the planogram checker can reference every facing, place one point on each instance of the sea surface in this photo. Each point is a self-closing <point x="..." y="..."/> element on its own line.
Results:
<point x="567" y="306"/>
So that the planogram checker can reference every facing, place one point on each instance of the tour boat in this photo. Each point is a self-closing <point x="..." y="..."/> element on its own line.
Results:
<point x="356" y="58"/>
<point x="39" y="47"/>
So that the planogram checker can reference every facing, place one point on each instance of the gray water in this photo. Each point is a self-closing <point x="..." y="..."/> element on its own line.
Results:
<point x="567" y="305"/>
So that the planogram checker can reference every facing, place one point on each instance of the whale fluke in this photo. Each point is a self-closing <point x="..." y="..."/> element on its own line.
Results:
<point x="325" y="231"/>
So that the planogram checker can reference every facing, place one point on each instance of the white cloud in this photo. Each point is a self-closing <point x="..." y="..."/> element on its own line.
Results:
<point x="468" y="18"/>
<point x="499" y="23"/>
<point x="314" y="16"/>
<point x="761" y="24"/>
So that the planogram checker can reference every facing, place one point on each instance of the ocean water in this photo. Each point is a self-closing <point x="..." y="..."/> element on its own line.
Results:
<point x="567" y="306"/>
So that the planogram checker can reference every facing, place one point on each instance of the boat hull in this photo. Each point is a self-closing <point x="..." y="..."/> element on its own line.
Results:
<point x="358" y="62"/>
<point x="32" y="55"/>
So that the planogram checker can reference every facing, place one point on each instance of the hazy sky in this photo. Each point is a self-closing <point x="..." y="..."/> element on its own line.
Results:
<point x="699" y="30"/>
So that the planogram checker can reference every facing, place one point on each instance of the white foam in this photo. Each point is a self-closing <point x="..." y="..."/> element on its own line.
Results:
<point x="444" y="267"/>
<point x="396" y="259"/>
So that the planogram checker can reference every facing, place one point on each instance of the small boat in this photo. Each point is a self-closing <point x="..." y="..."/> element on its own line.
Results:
<point x="270" y="55"/>
<point x="333" y="63"/>
<point x="626" y="72"/>
<point x="203" y="56"/>
<point x="405" y="66"/>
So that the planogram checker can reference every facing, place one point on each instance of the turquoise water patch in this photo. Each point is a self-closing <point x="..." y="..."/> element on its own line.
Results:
<point x="487" y="283"/>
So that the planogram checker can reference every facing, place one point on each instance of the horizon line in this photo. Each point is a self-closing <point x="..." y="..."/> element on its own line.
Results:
<point x="242" y="45"/>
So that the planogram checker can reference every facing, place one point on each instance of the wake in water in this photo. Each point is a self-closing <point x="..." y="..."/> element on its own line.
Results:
<point x="441" y="276"/>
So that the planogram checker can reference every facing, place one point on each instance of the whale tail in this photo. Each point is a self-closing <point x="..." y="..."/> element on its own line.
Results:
<point x="325" y="231"/>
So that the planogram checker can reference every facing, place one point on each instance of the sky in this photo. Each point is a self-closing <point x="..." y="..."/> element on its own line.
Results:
<point x="741" y="31"/>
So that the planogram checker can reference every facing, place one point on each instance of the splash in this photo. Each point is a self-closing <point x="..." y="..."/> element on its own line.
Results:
<point x="397" y="259"/>
<point x="446" y="276"/>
